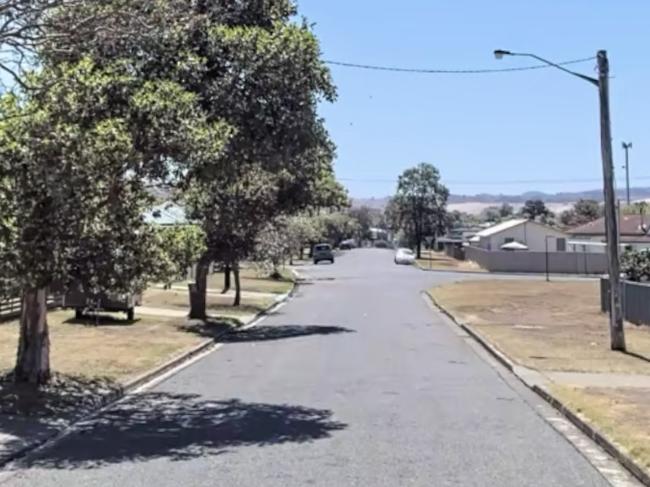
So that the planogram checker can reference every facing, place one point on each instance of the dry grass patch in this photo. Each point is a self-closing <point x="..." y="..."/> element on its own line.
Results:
<point x="251" y="280"/>
<point x="547" y="326"/>
<point x="115" y="349"/>
<point x="621" y="414"/>
<point x="441" y="261"/>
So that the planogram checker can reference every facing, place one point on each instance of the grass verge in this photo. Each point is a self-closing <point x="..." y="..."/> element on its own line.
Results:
<point x="546" y="326"/>
<point x="113" y="349"/>
<point x="621" y="414"/>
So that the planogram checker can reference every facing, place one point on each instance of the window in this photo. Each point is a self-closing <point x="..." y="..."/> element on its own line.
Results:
<point x="560" y="244"/>
<point x="508" y="240"/>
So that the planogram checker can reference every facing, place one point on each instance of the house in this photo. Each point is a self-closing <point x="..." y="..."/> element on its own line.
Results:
<point x="634" y="232"/>
<point x="533" y="235"/>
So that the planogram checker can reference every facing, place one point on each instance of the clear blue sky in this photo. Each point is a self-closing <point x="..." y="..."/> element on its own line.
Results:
<point x="483" y="131"/>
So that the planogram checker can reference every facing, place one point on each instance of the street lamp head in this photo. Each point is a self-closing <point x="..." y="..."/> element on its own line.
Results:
<point x="499" y="53"/>
<point x="627" y="145"/>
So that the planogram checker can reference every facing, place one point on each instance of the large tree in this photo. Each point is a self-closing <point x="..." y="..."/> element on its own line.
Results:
<point x="79" y="149"/>
<point x="537" y="210"/>
<point x="421" y="201"/>
<point x="265" y="78"/>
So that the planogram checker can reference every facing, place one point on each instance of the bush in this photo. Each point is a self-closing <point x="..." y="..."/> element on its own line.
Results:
<point x="636" y="265"/>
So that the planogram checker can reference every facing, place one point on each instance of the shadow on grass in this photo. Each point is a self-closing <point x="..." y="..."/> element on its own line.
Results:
<point x="63" y="397"/>
<point x="280" y="332"/>
<point x="101" y="320"/>
<point x="212" y="327"/>
<point x="636" y="355"/>
<point x="182" y="426"/>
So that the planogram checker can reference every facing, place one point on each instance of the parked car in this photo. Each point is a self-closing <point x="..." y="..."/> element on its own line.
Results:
<point x="323" y="251"/>
<point x="80" y="301"/>
<point x="382" y="244"/>
<point x="348" y="244"/>
<point x="404" y="256"/>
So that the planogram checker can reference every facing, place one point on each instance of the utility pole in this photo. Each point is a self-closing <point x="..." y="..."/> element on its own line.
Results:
<point x="617" y="334"/>
<point x="626" y="147"/>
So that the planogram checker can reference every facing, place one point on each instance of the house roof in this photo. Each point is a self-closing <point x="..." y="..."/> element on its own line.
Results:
<point x="499" y="227"/>
<point x="631" y="226"/>
<point x="166" y="214"/>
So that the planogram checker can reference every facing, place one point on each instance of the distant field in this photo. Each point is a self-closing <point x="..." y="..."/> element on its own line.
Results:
<point x="476" y="207"/>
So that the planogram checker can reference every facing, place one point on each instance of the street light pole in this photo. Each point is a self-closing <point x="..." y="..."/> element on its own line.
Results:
<point x="617" y="336"/>
<point x="626" y="147"/>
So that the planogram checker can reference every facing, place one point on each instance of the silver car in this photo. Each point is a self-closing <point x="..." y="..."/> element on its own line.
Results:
<point x="404" y="256"/>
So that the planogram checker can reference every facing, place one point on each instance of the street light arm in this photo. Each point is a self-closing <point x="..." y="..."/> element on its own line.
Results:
<point x="591" y="80"/>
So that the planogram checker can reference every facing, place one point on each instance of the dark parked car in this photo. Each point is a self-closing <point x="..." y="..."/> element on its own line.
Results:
<point x="323" y="251"/>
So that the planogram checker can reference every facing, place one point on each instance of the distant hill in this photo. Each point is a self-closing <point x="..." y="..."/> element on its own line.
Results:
<point x="476" y="203"/>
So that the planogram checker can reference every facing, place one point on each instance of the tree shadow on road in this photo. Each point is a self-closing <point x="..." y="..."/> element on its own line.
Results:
<point x="280" y="332"/>
<point x="180" y="427"/>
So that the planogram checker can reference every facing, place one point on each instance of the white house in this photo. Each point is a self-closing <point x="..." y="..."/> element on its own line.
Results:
<point x="534" y="236"/>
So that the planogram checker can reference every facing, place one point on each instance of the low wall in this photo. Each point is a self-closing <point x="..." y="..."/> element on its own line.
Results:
<point x="635" y="300"/>
<point x="525" y="261"/>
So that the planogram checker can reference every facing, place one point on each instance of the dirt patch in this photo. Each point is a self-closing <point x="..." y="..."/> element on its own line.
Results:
<point x="547" y="326"/>
<point x="622" y="414"/>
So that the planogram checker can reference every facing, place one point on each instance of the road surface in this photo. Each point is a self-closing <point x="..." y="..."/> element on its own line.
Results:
<point x="355" y="382"/>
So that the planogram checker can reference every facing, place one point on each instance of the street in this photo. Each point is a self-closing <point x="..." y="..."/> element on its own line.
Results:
<point x="356" y="381"/>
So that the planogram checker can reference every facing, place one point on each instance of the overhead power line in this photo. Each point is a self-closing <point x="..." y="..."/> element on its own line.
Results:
<point x="492" y="183"/>
<point x="453" y="71"/>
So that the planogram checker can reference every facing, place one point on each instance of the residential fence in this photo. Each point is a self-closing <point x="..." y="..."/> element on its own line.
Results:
<point x="635" y="298"/>
<point x="526" y="261"/>
<point x="10" y="308"/>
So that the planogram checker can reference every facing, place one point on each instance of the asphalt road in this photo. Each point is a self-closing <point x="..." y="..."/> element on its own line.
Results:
<point x="355" y="382"/>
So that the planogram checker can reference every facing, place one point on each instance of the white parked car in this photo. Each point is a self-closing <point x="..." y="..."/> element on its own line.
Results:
<point x="404" y="256"/>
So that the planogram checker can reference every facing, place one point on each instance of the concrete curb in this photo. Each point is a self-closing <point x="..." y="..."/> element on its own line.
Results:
<point x="492" y="350"/>
<point x="600" y="439"/>
<point x="146" y="377"/>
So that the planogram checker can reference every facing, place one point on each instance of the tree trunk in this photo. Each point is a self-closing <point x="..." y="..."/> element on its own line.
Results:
<point x="419" y="247"/>
<point x="235" y="270"/>
<point x="198" y="289"/>
<point x="226" y="279"/>
<point x="33" y="357"/>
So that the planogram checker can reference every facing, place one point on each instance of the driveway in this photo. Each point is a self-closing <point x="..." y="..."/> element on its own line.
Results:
<point x="355" y="382"/>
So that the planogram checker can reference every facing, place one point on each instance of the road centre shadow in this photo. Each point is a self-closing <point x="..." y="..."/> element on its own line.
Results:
<point x="182" y="426"/>
<point x="280" y="332"/>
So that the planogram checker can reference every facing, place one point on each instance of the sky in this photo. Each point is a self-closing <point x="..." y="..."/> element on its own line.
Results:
<point x="497" y="133"/>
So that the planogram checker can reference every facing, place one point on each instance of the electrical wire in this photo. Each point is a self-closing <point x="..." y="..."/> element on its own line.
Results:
<point x="453" y="71"/>
<point x="493" y="183"/>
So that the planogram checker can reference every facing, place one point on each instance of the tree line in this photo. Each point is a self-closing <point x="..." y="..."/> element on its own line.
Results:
<point x="212" y="99"/>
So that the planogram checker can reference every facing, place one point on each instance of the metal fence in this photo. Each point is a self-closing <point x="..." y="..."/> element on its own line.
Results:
<point x="527" y="261"/>
<point x="635" y="300"/>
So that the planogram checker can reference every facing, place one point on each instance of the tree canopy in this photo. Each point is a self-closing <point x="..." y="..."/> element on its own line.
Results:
<point x="420" y="203"/>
